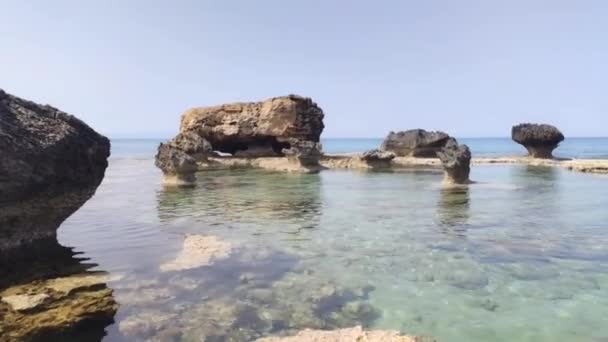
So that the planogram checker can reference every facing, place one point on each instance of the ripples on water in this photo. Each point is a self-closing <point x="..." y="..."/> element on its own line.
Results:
<point x="520" y="256"/>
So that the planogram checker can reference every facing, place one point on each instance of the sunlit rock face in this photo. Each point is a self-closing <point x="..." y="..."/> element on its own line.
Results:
<point x="456" y="162"/>
<point x="539" y="139"/>
<point x="415" y="143"/>
<point x="51" y="165"/>
<point x="256" y="129"/>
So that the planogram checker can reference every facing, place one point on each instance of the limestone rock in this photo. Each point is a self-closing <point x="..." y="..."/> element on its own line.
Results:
<point x="415" y="143"/>
<point x="197" y="251"/>
<point x="539" y="140"/>
<point x="256" y="129"/>
<point x="48" y="310"/>
<point x="305" y="154"/>
<point x="377" y="158"/>
<point x="456" y="160"/>
<point x="179" y="157"/>
<point x="355" y="334"/>
<point x="51" y="165"/>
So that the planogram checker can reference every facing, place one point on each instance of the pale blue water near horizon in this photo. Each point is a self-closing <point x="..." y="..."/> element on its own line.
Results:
<point x="522" y="255"/>
<point x="581" y="148"/>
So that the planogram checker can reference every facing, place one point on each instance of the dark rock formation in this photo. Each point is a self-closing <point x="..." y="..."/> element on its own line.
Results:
<point x="256" y="129"/>
<point x="456" y="160"/>
<point x="51" y="164"/>
<point x="415" y="143"/>
<point x="376" y="159"/>
<point x="539" y="140"/>
<point x="305" y="154"/>
<point x="178" y="158"/>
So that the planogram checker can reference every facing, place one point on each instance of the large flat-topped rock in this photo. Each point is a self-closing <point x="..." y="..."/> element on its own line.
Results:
<point x="256" y="129"/>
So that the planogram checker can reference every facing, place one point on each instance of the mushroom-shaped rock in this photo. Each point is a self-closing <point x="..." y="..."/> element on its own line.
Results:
<point x="377" y="158"/>
<point x="415" y="143"/>
<point x="51" y="163"/>
<point x="304" y="155"/>
<point x="456" y="160"/>
<point x="256" y="129"/>
<point x="178" y="158"/>
<point x="539" y="139"/>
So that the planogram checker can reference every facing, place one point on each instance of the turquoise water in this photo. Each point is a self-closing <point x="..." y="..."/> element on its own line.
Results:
<point x="520" y="256"/>
<point x="480" y="147"/>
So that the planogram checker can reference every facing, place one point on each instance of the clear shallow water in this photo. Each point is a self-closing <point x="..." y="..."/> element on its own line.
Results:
<point x="520" y="256"/>
<point x="481" y="147"/>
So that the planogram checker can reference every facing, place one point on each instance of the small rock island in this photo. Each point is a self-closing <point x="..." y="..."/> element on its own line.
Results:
<point x="539" y="139"/>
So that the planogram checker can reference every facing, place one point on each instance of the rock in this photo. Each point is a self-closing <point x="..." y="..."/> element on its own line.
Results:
<point x="197" y="251"/>
<point x="51" y="165"/>
<point x="415" y="143"/>
<point x="456" y="160"/>
<point x="304" y="155"/>
<point x="178" y="158"/>
<point x="346" y="334"/>
<point x="46" y="309"/>
<point x="25" y="302"/>
<point x="377" y="159"/>
<point x="263" y="129"/>
<point x="539" y="140"/>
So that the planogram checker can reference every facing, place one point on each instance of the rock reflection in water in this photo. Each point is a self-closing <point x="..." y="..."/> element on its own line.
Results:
<point x="453" y="209"/>
<point x="245" y="196"/>
<point x="49" y="294"/>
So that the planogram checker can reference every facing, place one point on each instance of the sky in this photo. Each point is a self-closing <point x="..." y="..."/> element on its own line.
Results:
<point x="470" y="68"/>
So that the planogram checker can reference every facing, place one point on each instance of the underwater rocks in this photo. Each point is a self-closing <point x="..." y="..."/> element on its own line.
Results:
<point x="197" y="251"/>
<point x="456" y="162"/>
<point x="44" y="309"/>
<point x="256" y="129"/>
<point x="178" y="158"/>
<point x="347" y="334"/>
<point x="415" y="143"/>
<point x="539" y="140"/>
<point x="51" y="165"/>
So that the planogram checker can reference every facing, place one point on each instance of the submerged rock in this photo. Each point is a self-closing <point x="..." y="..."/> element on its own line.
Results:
<point x="347" y="334"/>
<point x="51" y="165"/>
<point x="52" y="309"/>
<point x="539" y="140"/>
<point x="415" y="143"/>
<point x="456" y="161"/>
<point x="197" y="251"/>
<point x="256" y="129"/>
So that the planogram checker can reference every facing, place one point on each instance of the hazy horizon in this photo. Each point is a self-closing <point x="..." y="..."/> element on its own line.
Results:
<point x="470" y="68"/>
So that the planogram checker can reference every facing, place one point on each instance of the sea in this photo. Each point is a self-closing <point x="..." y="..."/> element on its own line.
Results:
<point x="592" y="148"/>
<point x="521" y="255"/>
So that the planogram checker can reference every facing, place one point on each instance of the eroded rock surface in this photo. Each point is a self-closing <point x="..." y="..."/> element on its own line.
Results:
<point x="376" y="159"/>
<point x="539" y="139"/>
<point x="256" y="129"/>
<point x="415" y="143"/>
<point x="456" y="162"/>
<point x="52" y="309"/>
<point x="51" y="164"/>
<point x="178" y="158"/>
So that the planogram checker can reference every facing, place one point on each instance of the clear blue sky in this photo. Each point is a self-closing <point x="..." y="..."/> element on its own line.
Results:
<point x="471" y="68"/>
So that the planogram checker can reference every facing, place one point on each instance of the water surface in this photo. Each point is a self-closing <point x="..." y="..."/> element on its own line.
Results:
<point x="520" y="256"/>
